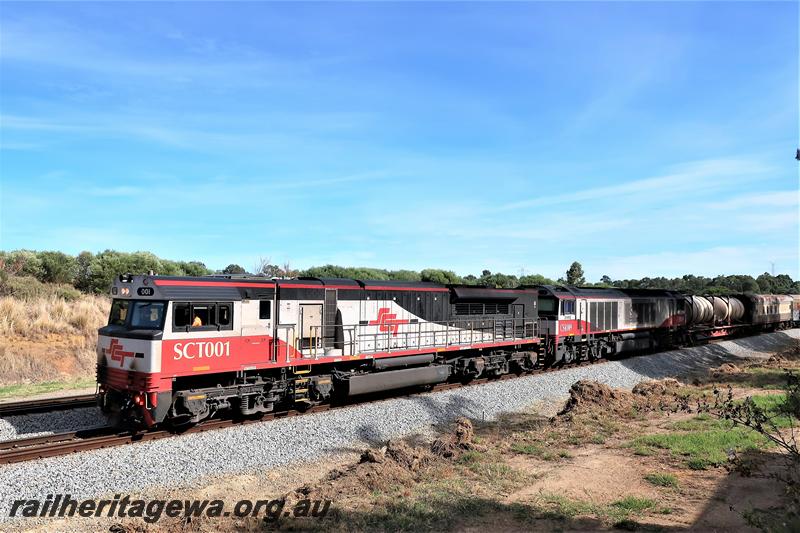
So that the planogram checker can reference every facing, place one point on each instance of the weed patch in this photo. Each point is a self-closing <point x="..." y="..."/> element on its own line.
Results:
<point x="661" y="480"/>
<point x="706" y="447"/>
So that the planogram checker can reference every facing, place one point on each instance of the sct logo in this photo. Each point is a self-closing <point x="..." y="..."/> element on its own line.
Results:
<point x="116" y="352"/>
<point x="565" y="327"/>
<point x="387" y="321"/>
<point x="198" y="350"/>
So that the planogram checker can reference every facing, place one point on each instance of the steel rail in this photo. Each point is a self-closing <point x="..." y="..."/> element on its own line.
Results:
<point x="47" y="404"/>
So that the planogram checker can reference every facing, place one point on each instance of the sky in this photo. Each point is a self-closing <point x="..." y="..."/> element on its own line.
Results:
<point x="641" y="139"/>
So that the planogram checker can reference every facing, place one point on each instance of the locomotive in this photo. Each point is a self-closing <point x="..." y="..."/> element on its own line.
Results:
<point x="178" y="350"/>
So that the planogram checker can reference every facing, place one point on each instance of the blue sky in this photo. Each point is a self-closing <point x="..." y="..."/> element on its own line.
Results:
<point x="638" y="138"/>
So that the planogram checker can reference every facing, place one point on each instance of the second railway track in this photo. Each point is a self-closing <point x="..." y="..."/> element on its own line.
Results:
<point x="46" y="405"/>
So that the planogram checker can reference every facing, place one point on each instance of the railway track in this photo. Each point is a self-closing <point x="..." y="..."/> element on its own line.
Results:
<point x="46" y="405"/>
<point x="29" y="449"/>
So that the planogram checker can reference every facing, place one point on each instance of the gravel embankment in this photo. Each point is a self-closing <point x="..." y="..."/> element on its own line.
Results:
<point x="37" y="424"/>
<point x="184" y="460"/>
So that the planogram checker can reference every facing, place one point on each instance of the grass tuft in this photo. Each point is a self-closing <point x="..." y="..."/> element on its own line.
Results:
<point x="540" y="452"/>
<point x="661" y="479"/>
<point x="634" y="504"/>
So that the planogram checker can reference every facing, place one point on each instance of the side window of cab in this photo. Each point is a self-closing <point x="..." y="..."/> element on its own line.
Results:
<point x="202" y="316"/>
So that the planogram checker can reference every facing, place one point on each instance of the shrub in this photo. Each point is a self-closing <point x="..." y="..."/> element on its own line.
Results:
<point x="30" y="288"/>
<point x="57" y="267"/>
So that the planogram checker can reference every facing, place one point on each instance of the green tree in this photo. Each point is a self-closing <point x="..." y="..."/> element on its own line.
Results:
<point x="83" y="270"/>
<point x="234" y="269"/>
<point x="767" y="282"/>
<point x="443" y="277"/>
<point x="575" y="274"/>
<point x="535" y="279"/>
<point x="404" y="275"/>
<point x="194" y="268"/>
<point x="26" y="263"/>
<point x="57" y="267"/>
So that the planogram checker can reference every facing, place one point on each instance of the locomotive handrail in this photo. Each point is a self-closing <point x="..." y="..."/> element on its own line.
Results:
<point x="419" y="335"/>
<point x="446" y="333"/>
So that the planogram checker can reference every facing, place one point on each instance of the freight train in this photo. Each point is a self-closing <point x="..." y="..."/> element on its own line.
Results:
<point x="178" y="350"/>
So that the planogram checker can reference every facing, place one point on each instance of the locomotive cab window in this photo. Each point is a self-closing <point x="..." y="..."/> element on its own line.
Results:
<point x="147" y="315"/>
<point x="224" y="314"/>
<point x="137" y="314"/>
<point x="119" y="313"/>
<point x="567" y="307"/>
<point x="264" y="310"/>
<point x="202" y="316"/>
<point x="180" y="312"/>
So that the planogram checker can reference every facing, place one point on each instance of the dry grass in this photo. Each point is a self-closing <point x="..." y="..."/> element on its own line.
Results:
<point x="49" y="338"/>
<point x="30" y="319"/>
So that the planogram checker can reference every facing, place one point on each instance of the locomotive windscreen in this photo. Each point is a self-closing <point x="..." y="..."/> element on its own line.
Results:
<point x="137" y="314"/>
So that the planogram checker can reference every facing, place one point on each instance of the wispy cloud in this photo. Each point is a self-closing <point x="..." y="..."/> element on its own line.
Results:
<point x="708" y="261"/>
<point x="692" y="177"/>
<point x="756" y="200"/>
<point x="258" y="133"/>
<point x="57" y="43"/>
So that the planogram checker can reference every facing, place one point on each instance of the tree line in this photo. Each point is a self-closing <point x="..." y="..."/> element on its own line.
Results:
<point x="20" y="270"/>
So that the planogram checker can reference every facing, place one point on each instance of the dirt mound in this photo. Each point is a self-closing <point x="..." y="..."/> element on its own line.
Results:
<point x="725" y="369"/>
<point x="395" y="464"/>
<point x="587" y="395"/>
<point x="591" y="397"/>
<point x="460" y="439"/>
<point x="784" y="356"/>
<point x="656" y="387"/>
<point x="405" y="456"/>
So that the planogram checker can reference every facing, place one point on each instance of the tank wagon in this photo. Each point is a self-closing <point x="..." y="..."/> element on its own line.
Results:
<point x="184" y="349"/>
<point x="180" y="350"/>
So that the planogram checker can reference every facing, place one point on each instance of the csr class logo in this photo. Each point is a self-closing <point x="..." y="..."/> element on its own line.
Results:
<point x="387" y="321"/>
<point x="116" y="352"/>
<point x="199" y="350"/>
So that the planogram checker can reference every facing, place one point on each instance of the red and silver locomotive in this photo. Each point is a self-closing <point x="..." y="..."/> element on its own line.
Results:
<point x="589" y="323"/>
<point x="183" y="349"/>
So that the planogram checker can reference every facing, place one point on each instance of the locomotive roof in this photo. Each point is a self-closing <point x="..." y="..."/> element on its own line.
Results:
<point x="237" y="287"/>
<point x="602" y="292"/>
